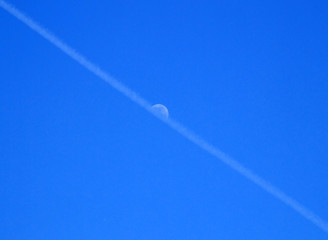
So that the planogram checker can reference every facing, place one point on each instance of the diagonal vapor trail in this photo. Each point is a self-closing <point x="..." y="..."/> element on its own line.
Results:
<point x="191" y="136"/>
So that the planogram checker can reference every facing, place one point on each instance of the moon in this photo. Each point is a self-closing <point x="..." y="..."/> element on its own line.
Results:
<point x="160" y="110"/>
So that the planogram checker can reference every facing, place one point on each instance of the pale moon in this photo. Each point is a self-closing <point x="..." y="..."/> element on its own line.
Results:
<point x="160" y="110"/>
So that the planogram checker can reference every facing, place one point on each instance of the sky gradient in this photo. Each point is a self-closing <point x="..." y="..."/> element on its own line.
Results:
<point x="277" y="119"/>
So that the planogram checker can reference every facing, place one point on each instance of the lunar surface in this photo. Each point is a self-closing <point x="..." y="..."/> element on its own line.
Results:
<point x="160" y="110"/>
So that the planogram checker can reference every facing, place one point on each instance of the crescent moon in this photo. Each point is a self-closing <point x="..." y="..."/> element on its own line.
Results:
<point x="160" y="110"/>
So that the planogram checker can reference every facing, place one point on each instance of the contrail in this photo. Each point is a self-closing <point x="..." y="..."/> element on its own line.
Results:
<point x="132" y="95"/>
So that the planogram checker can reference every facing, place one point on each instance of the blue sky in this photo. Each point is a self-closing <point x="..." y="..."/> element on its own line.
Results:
<point x="81" y="161"/>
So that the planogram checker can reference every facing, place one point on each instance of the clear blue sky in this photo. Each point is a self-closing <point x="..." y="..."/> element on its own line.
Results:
<point x="81" y="161"/>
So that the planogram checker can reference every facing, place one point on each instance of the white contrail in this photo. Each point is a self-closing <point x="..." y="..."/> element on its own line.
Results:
<point x="235" y="165"/>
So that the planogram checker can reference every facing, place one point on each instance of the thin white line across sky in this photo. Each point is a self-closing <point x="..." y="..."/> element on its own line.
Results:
<point x="191" y="136"/>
